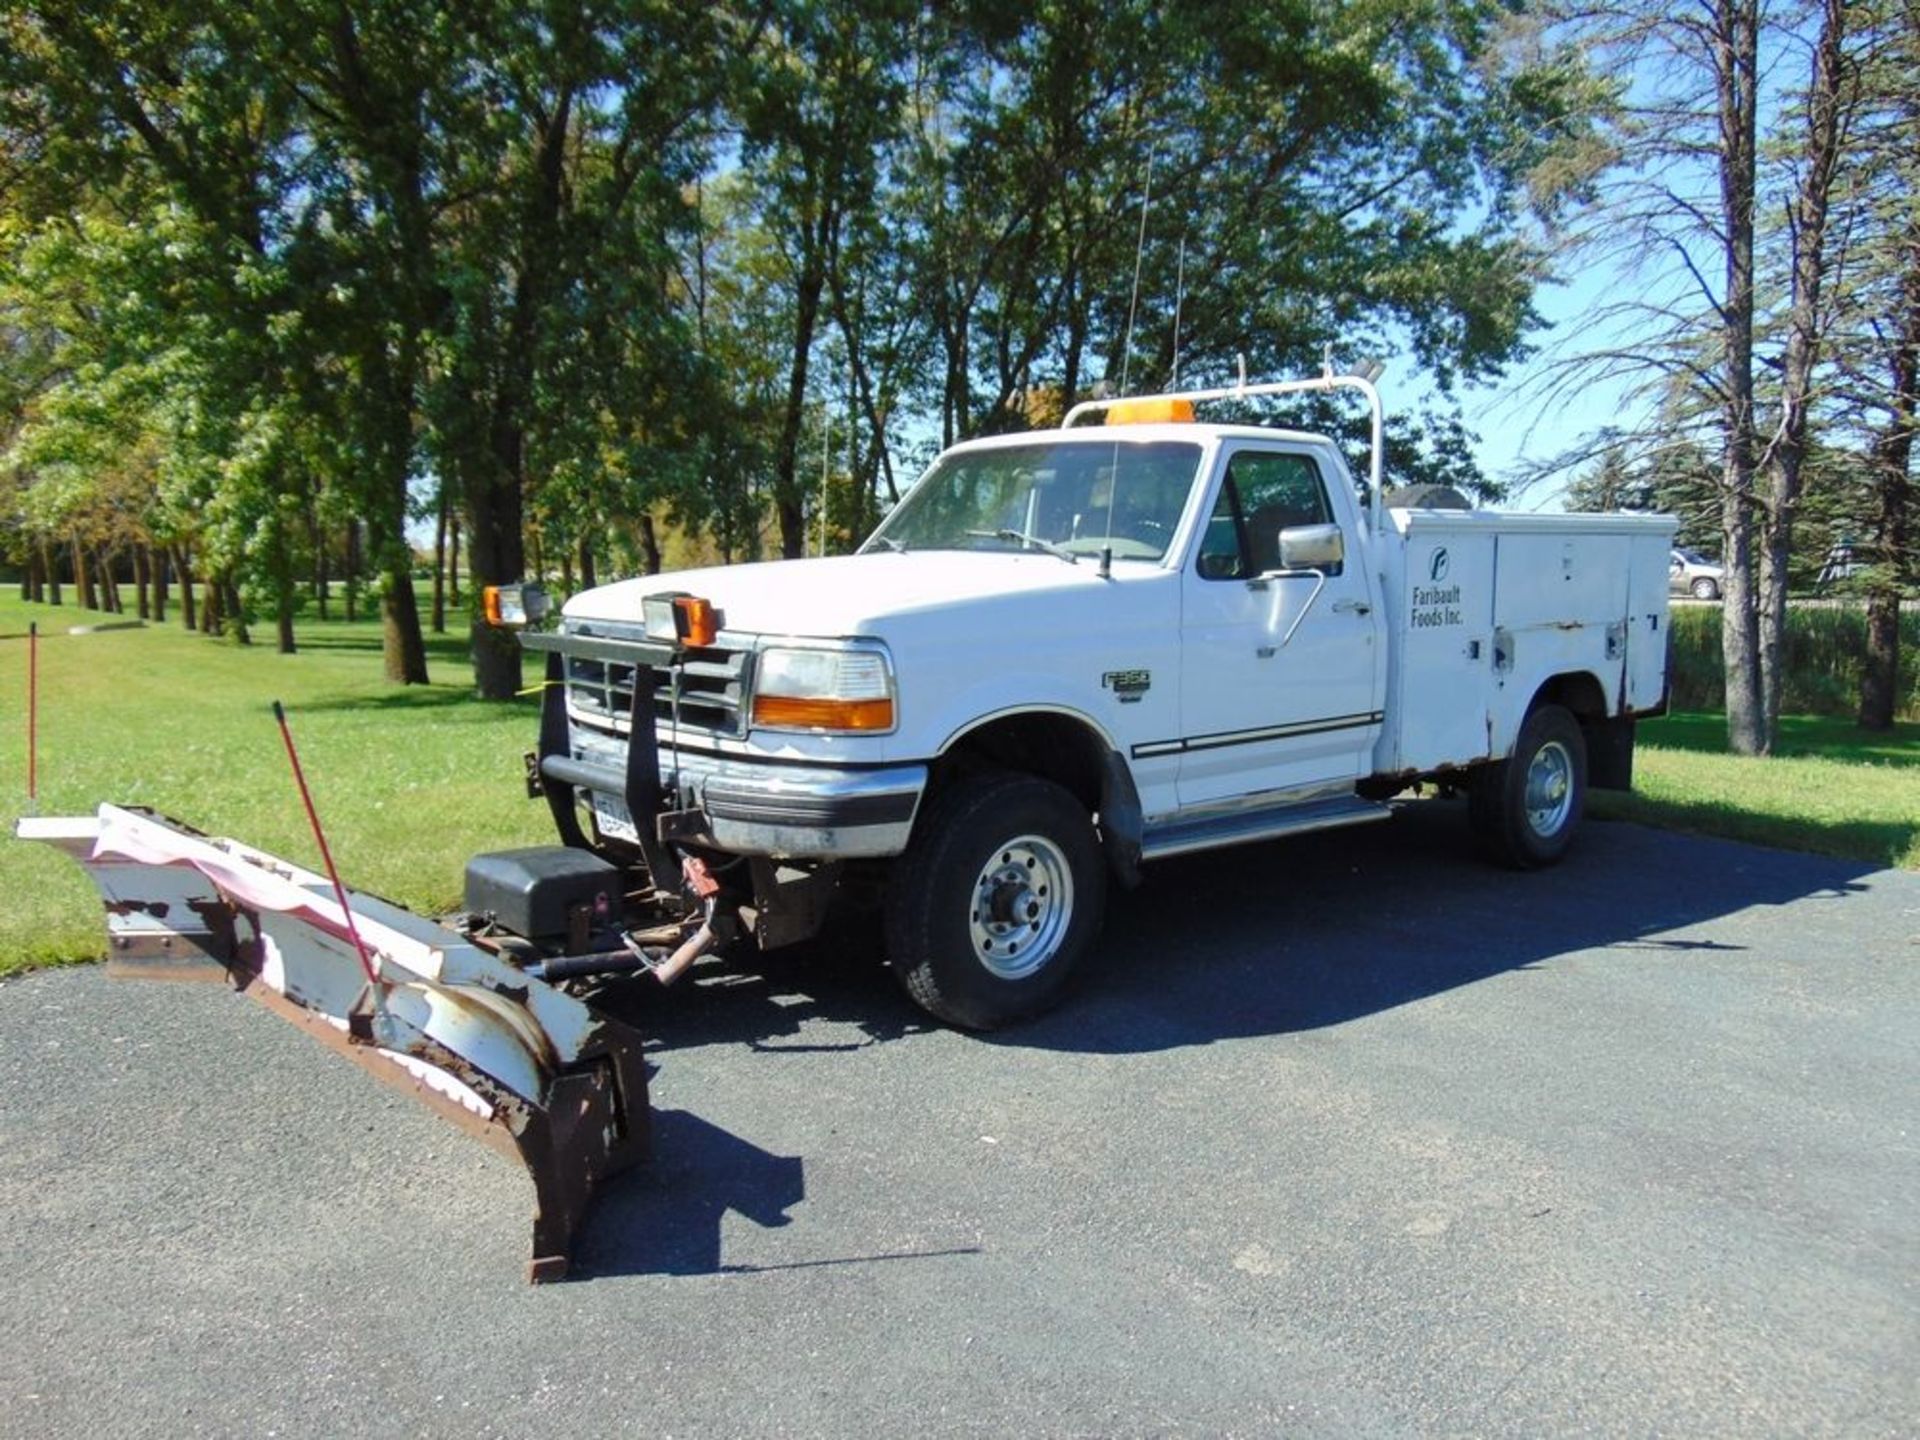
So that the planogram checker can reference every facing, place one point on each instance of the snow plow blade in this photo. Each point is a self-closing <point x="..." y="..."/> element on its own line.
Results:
<point x="522" y="1065"/>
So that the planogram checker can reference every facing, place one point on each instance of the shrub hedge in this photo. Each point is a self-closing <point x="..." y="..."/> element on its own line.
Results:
<point x="1825" y="644"/>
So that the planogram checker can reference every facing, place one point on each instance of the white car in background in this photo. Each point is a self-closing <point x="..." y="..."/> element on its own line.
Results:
<point x="1691" y="573"/>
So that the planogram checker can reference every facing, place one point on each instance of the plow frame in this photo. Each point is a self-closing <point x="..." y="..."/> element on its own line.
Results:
<point x="521" y="1064"/>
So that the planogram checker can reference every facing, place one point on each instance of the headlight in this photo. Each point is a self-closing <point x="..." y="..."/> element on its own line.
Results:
<point x="823" y="690"/>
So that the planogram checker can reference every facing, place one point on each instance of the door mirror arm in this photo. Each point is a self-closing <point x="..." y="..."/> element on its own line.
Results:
<point x="1259" y="582"/>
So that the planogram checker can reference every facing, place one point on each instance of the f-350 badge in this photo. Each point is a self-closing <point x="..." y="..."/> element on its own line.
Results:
<point x="1127" y="685"/>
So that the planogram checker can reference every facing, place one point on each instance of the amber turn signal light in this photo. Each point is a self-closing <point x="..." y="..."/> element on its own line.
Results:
<point x="698" y="623"/>
<point x="797" y="714"/>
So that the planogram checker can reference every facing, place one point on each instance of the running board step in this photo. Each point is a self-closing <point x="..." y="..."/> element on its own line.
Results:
<point x="1178" y="837"/>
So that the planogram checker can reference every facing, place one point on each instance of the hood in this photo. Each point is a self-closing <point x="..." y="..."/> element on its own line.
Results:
<point x="845" y="595"/>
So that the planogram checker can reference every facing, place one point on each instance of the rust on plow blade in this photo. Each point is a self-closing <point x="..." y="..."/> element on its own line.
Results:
<point x="530" y="1069"/>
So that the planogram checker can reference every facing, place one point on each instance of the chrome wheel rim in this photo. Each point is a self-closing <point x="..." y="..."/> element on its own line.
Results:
<point x="1549" y="789"/>
<point x="1021" y="904"/>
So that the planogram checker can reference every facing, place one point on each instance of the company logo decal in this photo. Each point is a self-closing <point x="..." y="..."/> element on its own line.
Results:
<point x="1127" y="685"/>
<point x="1437" y="605"/>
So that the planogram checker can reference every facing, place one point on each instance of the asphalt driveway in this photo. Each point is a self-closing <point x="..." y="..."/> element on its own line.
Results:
<point x="1348" y="1135"/>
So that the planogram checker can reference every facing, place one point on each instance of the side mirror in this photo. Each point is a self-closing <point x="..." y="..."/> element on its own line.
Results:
<point x="1312" y="547"/>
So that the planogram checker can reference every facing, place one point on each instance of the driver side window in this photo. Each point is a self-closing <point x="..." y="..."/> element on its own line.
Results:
<point x="1263" y="493"/>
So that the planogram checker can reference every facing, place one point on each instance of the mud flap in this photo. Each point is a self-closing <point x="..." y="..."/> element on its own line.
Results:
<point x="529" y="1068"/>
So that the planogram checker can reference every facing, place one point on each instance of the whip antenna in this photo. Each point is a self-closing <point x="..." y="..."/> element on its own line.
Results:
<point x="326" y="854"/>
<point x="1179" y="301"/>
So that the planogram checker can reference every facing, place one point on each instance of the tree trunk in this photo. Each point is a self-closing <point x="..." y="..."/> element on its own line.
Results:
<point x="788" y="503"/>
<point x="1786" y="453"/>
<point x="158" y="563"/>
<point x="1893" y="484"/>
<point x="353" y="570"/>
<point x="402" y="644"/>
<point x="1736" y="25"/>
<point x="317" y="537"/>
<point x="83" y="577"/>
<point x="212" y="607"/>
<point x="649" y="545"/>
<point x="453" y="559"/>
<point x="235" y="610"/>
<point x="183" y="563"/>
<point x="110" y="582"/>
<point x="282" y="590"/>
<point x="50" y="567"/>
<point x="143" y="581"/>
<point x="440" y="566"/>
<point x="403" y="648"/>
<point x="496" y="555"/>
<point x="587" y="580"/>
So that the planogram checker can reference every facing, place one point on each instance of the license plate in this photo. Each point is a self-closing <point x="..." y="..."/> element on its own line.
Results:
<point x="611" y="816"/>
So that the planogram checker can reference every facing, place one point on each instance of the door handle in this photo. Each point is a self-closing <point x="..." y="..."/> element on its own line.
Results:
<point x="1352" y="607"/>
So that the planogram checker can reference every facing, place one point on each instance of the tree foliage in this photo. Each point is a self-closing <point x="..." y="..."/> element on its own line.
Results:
<point x="612" y="281"/>
<point x="1758" y="194"/>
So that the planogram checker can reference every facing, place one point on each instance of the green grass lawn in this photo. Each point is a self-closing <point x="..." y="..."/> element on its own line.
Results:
<point x="1832" y="788"/>
<point x="409" y="781"/>
<point x="412" y="781"/>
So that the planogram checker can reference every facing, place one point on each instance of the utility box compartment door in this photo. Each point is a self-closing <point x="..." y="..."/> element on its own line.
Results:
<point x="1442" y="614"/>
<point x="1562" y="580"/>
<point x="1647" y="623"/>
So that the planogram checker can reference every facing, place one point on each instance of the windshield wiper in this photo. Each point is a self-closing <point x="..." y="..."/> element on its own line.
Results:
<point x="896" y="546"/>
<point x="1025" y="539"/>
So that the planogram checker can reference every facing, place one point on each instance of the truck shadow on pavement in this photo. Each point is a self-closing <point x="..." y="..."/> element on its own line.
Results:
<point x="1289" y="936"/>
<point x="1265" y="940"/>
<point x="1301" y="936"/>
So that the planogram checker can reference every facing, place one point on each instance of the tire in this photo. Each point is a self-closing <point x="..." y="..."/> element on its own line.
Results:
<point x="996" y="901"/>
<point x="1525" y="810"/>
<point x="1705" y="589"/>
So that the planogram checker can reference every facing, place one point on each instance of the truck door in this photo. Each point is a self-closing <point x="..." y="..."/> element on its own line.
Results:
<point x="1278" y="681"/>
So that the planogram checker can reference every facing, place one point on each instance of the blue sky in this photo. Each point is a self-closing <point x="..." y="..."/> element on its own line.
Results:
<point x="1515" y="425"/>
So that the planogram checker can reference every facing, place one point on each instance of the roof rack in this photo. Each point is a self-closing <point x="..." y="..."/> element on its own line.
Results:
<point x="1325" y="381"/>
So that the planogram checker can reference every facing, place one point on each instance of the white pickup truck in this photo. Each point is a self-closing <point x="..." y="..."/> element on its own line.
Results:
<point x="1071" y="652"/>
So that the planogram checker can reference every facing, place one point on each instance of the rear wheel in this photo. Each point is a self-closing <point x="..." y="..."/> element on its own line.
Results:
<point x="1705" y="589"/>
<point x="996" y="901"/>
<point x="1525" y="809"/>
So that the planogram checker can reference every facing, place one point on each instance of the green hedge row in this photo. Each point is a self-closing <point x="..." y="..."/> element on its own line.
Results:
<point x="1825" y="643"/>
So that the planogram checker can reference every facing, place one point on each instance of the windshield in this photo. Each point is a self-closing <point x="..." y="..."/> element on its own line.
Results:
<point x="1079" y="496"/>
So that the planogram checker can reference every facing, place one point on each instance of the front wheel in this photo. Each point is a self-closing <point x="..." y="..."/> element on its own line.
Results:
<point x="996" y="901"/>
<point x="1525" y="809"/>
<point x="1705" y="589"/>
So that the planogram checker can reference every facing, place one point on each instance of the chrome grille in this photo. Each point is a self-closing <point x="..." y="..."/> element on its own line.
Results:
<point x="712" y="690"/>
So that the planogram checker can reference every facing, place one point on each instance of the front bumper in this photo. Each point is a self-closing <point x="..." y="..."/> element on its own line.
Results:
<point x="783" y="811"/>
<point x="648" y="795"/>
